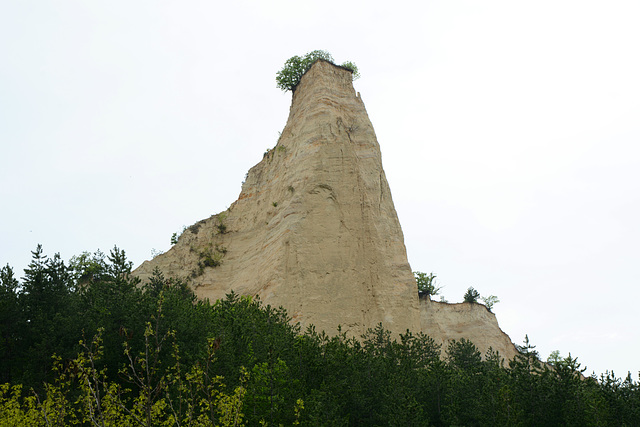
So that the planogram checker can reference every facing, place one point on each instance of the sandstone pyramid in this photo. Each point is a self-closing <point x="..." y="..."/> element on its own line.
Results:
<point x="315" y="230"/>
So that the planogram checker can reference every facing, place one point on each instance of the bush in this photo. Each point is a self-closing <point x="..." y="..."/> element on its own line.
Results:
<point x="354" y="69"/>
<point x="295" y="67"/>
<point x="426" y="283"/>
<point x="472" y="295"/>
<point x="490" y="301"/>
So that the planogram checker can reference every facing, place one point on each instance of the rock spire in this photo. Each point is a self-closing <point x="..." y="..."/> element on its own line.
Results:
<point x="314" y="228"/>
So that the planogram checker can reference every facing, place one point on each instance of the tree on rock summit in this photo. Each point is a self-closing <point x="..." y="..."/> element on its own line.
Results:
<point x="295" y="67"/>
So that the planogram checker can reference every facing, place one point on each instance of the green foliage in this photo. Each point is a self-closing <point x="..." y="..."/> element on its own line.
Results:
<point x="490" y="301"/>
<point x="176" y="236"/>
<point x="88" y="268"/>
<point x="196" y="227"/>
<point x="12" y="322"/>
<point x="156" y="355"/>
<point x="210" y="257"/>
<point x="354" y="69"/>
<point x="426" y="283"/>
<point x="554" y="358"/>
<point x="295" y="67"/>
<point x="471" y="295"/>
<point x="221" y="226"/>
<point x="465" y="361"/>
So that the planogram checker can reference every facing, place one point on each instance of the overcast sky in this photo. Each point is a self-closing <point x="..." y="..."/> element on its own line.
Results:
<point x="509" y="133"/>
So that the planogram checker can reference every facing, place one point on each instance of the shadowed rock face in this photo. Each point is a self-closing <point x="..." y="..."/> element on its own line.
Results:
<point x="315" y="230"/>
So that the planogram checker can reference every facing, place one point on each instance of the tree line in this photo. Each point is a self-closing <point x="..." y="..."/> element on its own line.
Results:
<point x="85" y="343"/>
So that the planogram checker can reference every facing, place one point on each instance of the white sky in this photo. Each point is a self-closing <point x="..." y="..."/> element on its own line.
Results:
<point x="509" y="133"/>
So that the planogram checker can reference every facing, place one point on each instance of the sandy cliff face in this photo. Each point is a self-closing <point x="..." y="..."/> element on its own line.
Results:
<point x="314" y="228"/>
<point x="445" y="322"/>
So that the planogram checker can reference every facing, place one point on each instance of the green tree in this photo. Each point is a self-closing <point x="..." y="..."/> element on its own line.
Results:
<point x="471" y="295"/>
<point x="295" y="67"/>
<point x="187" y="362"/>
<point x="11" y="322"/>
<point x="87" y="269"/>
<point x="568" y="387"/>
<point x="495" y="394"/>
<point x="269" y="393"/>
<point x="464" y="403"/>
<point x="426" y="283"/>
<point x="112" y="300"/>
<point x="620" y="399"/>
<point x="354" y="69"/>
<point x="490" y="301"/>
<point x="526" y="386"/>
<point x="48" y="301"/>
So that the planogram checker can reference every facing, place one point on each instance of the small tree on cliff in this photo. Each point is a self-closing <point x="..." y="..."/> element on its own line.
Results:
<point x="295" y="67"/>
<point x="426" y="283"/>
<point x="472" y="295"/>
<point x="490" y="301"/>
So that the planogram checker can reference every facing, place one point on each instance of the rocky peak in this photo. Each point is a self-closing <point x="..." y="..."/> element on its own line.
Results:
<point x="315" y="230"/>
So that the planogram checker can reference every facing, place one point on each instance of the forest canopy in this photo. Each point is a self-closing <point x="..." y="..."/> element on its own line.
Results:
<point x="86" y="343"/>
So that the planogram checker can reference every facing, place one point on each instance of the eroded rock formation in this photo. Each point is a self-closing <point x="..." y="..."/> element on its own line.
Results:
<point x="315" y="230"/>
<point x="445" y="322"/>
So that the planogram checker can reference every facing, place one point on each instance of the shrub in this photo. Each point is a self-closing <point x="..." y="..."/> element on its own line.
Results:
<point x="354" y="69"/>
<point x="490" y="301"/>
<point x="221" y="226"/>
<point x="426" y="283"/>
<point x="295" y="67"/>
<point x="472" y="295"/>
<point x="176" y="236"/>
